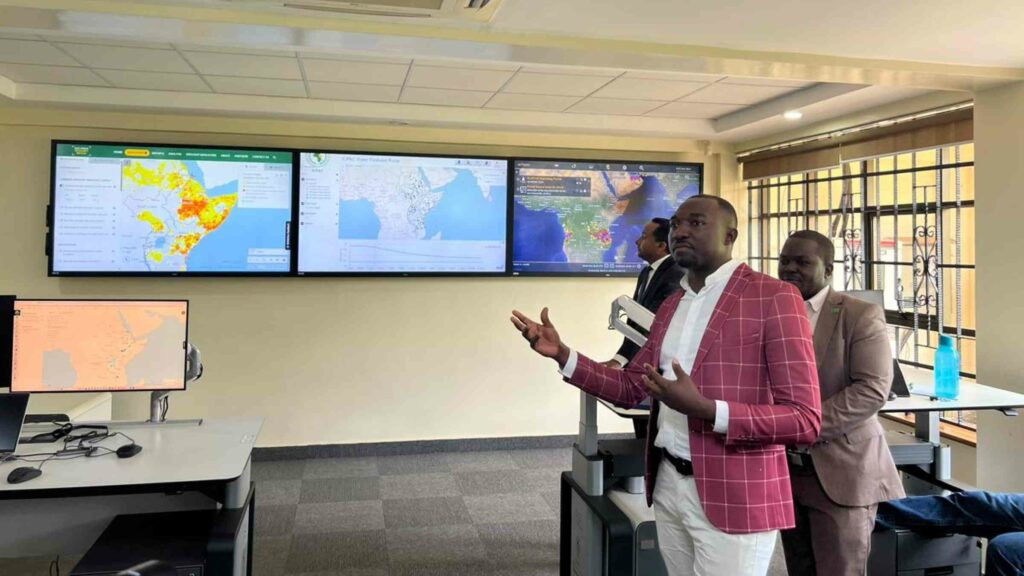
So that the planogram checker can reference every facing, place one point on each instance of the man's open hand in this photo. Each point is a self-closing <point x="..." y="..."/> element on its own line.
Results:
<point x="543" y="337"/>
<point x="680" y="394"/>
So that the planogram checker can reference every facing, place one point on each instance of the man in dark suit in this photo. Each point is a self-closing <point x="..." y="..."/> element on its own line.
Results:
<point x="840" y="479"/>
<point x="657" y="281"/>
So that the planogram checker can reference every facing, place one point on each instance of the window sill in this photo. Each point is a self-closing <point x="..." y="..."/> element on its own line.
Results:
<point x="946" y="430"/>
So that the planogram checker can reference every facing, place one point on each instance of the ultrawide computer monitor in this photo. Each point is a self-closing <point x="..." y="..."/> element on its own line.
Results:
<point x="99" y="345"/>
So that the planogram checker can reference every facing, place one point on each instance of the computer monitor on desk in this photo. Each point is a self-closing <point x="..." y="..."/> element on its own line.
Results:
<point x="99" y="345"/>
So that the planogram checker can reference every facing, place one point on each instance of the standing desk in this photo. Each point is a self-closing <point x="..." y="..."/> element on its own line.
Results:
<point x="186" y="465"/>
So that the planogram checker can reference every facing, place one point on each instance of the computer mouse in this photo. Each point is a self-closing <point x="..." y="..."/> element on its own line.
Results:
<point x="128" y="450"/>
<point x="23" y="474"/>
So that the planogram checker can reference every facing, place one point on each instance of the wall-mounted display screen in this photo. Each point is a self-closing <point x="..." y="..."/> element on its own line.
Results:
<point x="583" y="217"/>
<point x="385" y="214"/>
<point x="138" y="210"/>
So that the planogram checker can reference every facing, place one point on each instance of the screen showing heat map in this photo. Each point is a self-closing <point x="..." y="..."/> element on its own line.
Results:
<point x="99" y="345"/>
<point x="583" y="218"/>
<point x="135" y="209"/>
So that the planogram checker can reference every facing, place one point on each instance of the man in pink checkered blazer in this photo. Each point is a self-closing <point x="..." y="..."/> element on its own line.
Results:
<point x="730" y="365"/>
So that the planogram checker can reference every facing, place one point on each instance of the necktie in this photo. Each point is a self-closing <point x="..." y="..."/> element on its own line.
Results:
<point x="641" y="283"/>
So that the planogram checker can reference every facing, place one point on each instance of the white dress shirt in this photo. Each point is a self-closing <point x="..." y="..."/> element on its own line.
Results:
<point x="682" y="341"/>
<point x="654" y="268"/>
<point x="814" y="306"/>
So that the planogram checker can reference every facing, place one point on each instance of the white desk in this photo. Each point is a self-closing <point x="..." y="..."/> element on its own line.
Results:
<point x="182" y="466"/>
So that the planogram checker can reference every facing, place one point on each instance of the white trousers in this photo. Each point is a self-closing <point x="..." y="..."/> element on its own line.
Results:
<point x="691" y="545"/>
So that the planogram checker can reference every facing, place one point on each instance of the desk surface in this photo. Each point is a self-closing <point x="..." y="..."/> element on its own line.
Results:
<point x="172" y="452"/>
<point x="973" y="396"/>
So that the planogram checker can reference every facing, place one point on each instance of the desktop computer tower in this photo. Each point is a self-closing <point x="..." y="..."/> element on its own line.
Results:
<point x="178" y="539"/>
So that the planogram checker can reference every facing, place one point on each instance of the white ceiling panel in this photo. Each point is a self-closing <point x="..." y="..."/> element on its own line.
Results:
<point x="736" y="94"/>
<point x="355" y="72"/>
<point x="459" y="78"/>
<point x="531" y="102"/>
<point x="444" y="97"/>
<point x="355" y="92"/>
<point x="36" y="74"/>
<point x="648" y="89"/>
<point x="121" y="58"/>
<point x="29" y="52"/>
<point x="594" y="105"/>
<point x="257" y="86"/>
<point x="554" y="84"/>
<point x="222" y="64"/>
<point x="693" y="110"/>
<point x="155" y="80"/>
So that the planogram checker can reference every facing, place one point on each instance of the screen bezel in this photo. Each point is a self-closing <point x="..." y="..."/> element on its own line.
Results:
<point x="511" y="246"/>
<point x="52" y="209"/>
<point x="184" y="352"/>
<point x="296" y="232"/>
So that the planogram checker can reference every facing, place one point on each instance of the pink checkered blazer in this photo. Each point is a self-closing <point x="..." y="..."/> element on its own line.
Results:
<point x="757" y="355"/>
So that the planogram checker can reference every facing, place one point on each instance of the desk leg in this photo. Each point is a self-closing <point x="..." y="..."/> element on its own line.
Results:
<point x="926" y="427"/>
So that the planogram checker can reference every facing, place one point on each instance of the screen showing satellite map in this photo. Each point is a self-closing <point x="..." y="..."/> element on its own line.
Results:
<point x="174" y="210"/>
<point x="378" y="214"/>
<point x="99" y="345"/>
<point x="572" y="217"/>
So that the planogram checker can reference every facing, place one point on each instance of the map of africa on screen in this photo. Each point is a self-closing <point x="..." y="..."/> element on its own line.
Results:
<point x="585" y="217"/>
<point x="85" y="345"/>
<point x="401" y="214"/>
<point x="170" y="210"/>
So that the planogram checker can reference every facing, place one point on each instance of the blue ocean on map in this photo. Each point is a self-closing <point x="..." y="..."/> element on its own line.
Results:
<point x="357" y="220"/>
<point x="539" y="236"/>
<point x="650" y="200"/>
<point x="196" y="172"/>
<point x="465" y="214"/>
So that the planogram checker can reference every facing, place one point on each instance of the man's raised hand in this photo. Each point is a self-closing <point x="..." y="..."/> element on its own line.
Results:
<point x="543" y="337"/>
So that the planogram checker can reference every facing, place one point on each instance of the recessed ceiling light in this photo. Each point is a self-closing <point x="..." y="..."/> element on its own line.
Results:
<point x="792" y="115"/>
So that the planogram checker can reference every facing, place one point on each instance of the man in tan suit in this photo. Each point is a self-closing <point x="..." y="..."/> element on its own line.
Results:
<point x="839" y="481"/>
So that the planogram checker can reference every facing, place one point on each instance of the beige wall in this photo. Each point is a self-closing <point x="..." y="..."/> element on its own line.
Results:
<point x="999" y="172"/>
<point x="340" y="360"/>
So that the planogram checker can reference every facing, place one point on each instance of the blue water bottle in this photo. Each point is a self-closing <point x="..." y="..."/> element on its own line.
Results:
<point x="947" y="370"/>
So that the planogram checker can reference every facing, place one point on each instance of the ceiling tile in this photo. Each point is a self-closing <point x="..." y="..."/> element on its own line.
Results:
<point x="354" y="72"/>
<point x="766" y="81"/>
<point x="354" y="57"/>
<point x="105" y="41"/>
<point x="19" y="36"/>
<point x="469" y="64"/>
<point x="693" y="110"/>
<point x="357" y="92"/>
<point x="413" y="95"/>
<point x="243" y="50"/>
<point x="595" y="105"/>
<point x="155" y="80"/>
<point x="532" y="102"/>
<point x="674" y="76"/>
<point x="736" y="94"/>
<point x="221" y="64"/>
<point x="121" y="58"/>
<point x="460" y="78"/>
<point x="36" y="74"/>
<point x="554" y="84"/>
<point x="29" y="52"/>
<point x="257" y="86"/>
<point x="575" y="70"/>
<point x="648" y="89"/>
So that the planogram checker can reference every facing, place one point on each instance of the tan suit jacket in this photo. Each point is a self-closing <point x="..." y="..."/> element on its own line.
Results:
<point x="851" y="456"/>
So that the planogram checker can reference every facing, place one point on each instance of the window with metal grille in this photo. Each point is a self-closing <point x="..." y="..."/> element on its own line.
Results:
<point x="902" y="224"/>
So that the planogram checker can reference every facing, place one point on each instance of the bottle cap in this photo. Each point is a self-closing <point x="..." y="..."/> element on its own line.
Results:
<point x="945" y="341"/>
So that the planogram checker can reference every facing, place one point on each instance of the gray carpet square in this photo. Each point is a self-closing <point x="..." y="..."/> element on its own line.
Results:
<point x="340" y="468"/>
<point x="339" y="490"/>
<point x="412" y="464"/>
<point x="438" y="484"/>
<point x="274" y="520"/>
<point x="278" y="492"/>
<point x="520" y="482"/>
<point x="435" y="546"/>
<point x="269" y="555"/>
<point x="505" y="508"/>
<point x="473" y="568"/>
<point x="277" y="470"/>
<point x="521" y="543"/>
<point x="560" y="458"/>
<point x="358" y="516"/>
<point x="422" y="512"/>
<point x="480" y="461"/>
<point x="347" y="572"/>
<point x="337" y="551"/>
<point x="554" y="500"/>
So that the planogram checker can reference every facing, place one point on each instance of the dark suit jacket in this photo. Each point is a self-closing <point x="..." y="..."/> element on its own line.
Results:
<point x="662" y="284"/>
<point x="851" y="457"/>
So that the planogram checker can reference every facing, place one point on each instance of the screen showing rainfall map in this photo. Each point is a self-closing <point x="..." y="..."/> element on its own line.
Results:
<point x="140" y="209"/>
<point x="91" y="345"/>
<point x="401" y="214"/>
<point x="585" y="217"/>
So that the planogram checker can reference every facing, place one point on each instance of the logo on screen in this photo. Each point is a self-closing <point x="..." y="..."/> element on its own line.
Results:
<point x="318" y="158"/>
